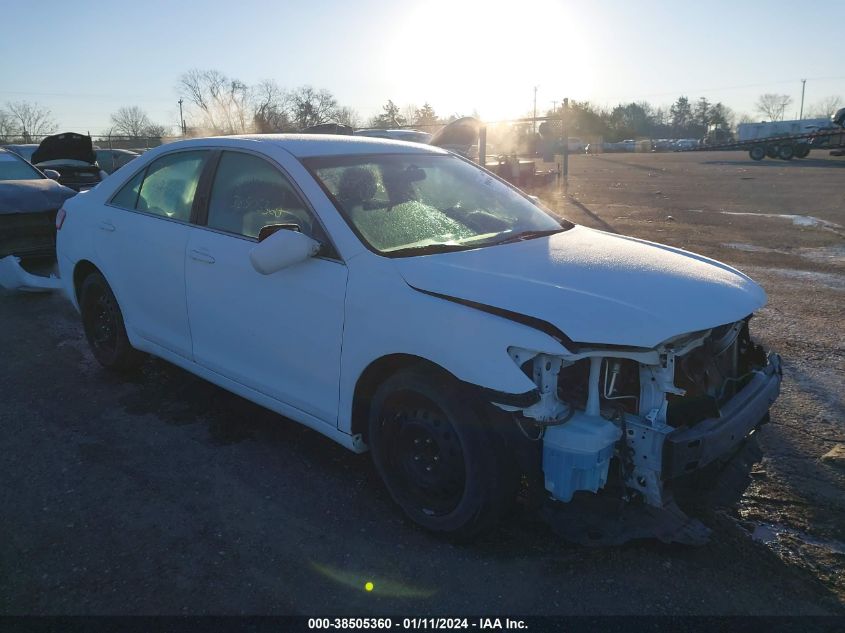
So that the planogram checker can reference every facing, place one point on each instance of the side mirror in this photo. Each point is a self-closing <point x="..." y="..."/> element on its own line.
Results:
<point x="52" y="174"/>
<point x="282" y="249"/>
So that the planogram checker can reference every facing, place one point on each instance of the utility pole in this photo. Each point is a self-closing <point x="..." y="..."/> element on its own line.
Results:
<point x="564" y="106"/>
<point x="534" y="120"/>
<point x="181" y="118"/>
<point x="803" y="85"/>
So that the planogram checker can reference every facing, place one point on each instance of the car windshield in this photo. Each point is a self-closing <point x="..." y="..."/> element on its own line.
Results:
<point x="14" y="168"/>
<point x="417" y="204"/>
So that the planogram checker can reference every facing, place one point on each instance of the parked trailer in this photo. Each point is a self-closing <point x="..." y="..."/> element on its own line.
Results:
<point x="789" y="146"/>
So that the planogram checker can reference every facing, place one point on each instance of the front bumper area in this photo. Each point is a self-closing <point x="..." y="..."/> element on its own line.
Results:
<point x="14" y="277"/>
<point x="689" y="449"/>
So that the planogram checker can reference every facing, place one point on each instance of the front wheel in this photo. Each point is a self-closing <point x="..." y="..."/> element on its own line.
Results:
<point x="102" y="321"/>
<point x="436" y="456"/>
<point x="758" y="152"/>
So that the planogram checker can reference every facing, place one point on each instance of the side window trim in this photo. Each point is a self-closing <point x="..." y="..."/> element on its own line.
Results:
<point x="199" y="210"/>
<point x="208" y="177"/>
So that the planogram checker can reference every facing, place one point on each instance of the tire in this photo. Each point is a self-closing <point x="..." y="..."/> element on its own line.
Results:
<point x="802" y="151"/>
<point x="786" y="152"/>
<point x="437" y="457"/>
<point x="758" y="152"/>
<point x="772" y="151"/>
<point x="102" y="321"/>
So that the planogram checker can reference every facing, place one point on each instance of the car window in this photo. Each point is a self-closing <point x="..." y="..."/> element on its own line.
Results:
<point x="170" y="184"/>
<point x="15" y="168"/>
<point x="249" y="193"/>
<point x="407" y="202"/>
<point x="127" y="197"/>
<point x="107" y="160"/>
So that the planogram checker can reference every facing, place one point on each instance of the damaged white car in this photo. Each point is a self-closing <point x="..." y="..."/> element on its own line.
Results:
<point x="399" y="298"/>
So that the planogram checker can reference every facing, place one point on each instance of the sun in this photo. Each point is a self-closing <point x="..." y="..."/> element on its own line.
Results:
<point x="464" y="55"/>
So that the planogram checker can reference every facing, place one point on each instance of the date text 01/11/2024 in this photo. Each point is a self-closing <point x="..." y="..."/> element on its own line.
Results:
<point x="417" y="623"/>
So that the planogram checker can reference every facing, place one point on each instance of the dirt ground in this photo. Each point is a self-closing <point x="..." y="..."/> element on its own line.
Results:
<point x="161" y="493"/>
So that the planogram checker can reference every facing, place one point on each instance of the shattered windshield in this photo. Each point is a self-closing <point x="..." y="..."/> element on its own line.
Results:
<point x="415" y="204"/>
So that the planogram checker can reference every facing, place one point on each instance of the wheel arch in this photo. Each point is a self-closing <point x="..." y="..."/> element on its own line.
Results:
<point x="81" y="271"/>
<point x="375" y="374"/>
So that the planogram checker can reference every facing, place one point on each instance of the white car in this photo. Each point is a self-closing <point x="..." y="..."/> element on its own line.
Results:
<point x="399" y="298"/>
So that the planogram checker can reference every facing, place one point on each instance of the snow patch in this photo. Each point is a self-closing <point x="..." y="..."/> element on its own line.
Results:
<point x="797" y="220"/>
<point x="802" y="277"/>
<point x="750" y="248"/>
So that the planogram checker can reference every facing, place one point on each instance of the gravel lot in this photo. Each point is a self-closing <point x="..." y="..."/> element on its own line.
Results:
<point x="164" y="494"/>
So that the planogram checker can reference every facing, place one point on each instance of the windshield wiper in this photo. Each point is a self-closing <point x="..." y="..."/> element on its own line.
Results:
<point x="429" y="249"/>
<point x="527" y="235"/>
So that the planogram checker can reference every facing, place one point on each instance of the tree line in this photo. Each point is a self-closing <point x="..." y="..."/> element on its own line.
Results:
<point x="218" y="104"/>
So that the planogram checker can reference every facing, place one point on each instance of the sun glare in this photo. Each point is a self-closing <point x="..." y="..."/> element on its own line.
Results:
<point x="488" y="56"/>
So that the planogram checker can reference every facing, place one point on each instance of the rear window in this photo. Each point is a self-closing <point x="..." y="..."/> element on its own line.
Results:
<point x="14" y="168"/>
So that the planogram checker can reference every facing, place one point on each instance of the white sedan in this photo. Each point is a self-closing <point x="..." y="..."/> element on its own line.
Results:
<point x="398" y="298"/>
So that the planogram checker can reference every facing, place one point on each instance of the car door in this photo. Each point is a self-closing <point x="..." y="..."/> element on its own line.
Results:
<point x="279" y="334"/>
<point x="141" y="242"/>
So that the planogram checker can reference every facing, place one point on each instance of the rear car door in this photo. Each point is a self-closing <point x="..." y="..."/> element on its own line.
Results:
<point x="279" y="334"/>
<point x="141" y="242"/>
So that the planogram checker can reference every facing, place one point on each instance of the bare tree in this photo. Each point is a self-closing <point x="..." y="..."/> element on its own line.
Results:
<point x="773" y="106"/>
<point x="827" y="107"/>
<point x="409" y="112"/>
<point x="7" y="126"/>
<point x="312" y="106"/>
<point x="130" y="121"/>
<point x="223" y="103"/>
<point x="349" y="116"/>
<point x="157" y="130"/>
<point x="269" y="108"/>
<point x="133" y="121"/>
<point x="30" y="120"/>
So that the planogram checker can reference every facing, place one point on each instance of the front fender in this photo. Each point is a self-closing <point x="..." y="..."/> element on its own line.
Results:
<point x="385" y="316"/>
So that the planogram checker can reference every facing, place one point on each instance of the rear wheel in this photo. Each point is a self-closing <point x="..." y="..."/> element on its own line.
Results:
<point x="802" y="151"/>
<point x="772" y="151"/>
<point x="437" y="457"/>
<point x="786" y="152"/>
<point x="758" y="152"/>
<point x="102" y="321"/>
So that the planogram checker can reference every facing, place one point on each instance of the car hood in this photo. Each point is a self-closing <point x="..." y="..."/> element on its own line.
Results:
<point x="32" y="196"/>
<point x="458" y="136"/>
<point x="68" y="145"/>
<point x="592" y="286"/>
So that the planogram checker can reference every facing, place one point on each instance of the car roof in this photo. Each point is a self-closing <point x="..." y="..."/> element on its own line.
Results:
<point x="116" y="151"/>
<point x="312" y="145"/>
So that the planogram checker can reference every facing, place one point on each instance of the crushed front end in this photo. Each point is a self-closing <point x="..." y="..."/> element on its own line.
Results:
<point x="643" y="418"/>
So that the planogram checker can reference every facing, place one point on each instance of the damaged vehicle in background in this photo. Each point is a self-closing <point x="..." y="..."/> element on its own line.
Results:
<point x="110" y="160"/>
<point x="72" y="156"/>
<point x="400" y="299"/>
<point x="29" y="201"/>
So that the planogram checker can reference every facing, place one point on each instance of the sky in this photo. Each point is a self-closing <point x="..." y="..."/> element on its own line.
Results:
<point x="84" y="60"/>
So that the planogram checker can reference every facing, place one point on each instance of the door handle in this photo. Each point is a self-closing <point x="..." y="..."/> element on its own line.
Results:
<point x="107" y="226"/>
<point x="202" y="257"/>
